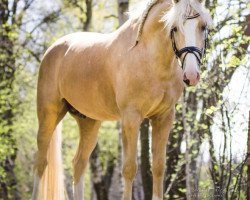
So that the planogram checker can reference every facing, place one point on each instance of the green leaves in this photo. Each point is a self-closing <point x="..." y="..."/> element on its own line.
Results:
<point x="235" y="62"/>
<point x="211" y="110"/>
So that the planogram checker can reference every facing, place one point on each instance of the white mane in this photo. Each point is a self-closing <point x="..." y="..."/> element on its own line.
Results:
<point x="177" y="15"/>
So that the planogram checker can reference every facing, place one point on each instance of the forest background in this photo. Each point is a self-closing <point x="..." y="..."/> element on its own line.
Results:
<point x="207" y="148"/>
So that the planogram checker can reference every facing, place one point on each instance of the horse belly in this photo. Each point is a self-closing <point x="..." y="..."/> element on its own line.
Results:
<point x="92" y="97"/>
<point x="95" y="109"/>
<point x="93" y="105"/>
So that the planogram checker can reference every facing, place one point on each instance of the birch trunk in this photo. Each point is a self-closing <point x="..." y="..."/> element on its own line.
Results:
<point x="248" y="159"/>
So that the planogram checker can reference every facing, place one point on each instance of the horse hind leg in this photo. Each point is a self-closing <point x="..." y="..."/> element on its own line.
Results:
<point x="88" y="129"/>
<point x="49" y="117"/>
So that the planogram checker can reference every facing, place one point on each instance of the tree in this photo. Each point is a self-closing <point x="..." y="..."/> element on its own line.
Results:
<point x="15" y="43"/>
<point x="82" y="10"/>
<point x="10" y="22"/>
<point x="248" y="159"/>
<point x="145" y="166"/>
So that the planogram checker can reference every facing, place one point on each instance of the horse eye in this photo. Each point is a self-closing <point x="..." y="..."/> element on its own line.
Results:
<point x="175" y="29"/>
<point x="204" y="27"/>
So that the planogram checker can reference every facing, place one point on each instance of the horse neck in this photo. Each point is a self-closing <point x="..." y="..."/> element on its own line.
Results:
<point x="157" y="41"/>
<point x="154" y="46"/>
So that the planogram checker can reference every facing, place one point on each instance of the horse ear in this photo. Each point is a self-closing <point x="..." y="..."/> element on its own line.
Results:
<point x="175" y="1"/>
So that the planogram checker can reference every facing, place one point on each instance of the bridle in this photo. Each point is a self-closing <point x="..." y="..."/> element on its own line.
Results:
<point x="197" y="52"/>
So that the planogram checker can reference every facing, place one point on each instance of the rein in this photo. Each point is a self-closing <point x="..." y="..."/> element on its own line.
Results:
<point x="197" y="52"/>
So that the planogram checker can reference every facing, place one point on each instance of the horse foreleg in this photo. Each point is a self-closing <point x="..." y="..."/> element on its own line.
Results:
<point x="161" y="126"/>
<point x="88" y="138"/>
<point x="130" y="127"/>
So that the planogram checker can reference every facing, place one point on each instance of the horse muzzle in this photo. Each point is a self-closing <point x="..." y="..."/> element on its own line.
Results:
<point x="191" y="79"/>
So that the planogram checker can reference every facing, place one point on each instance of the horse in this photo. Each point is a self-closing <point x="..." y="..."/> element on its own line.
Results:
<point x="138" y="71"/>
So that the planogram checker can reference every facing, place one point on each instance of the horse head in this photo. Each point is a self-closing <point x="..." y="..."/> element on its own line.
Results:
<point x="187" y="23"/>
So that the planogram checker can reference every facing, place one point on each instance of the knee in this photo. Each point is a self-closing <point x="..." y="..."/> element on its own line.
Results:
<point x="131" y="119"/>
<point x="129" y="170"/>
<point x="158" y="169"/>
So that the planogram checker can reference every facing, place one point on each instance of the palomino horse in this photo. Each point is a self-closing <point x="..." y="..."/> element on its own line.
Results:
<point x="130" y="74"/>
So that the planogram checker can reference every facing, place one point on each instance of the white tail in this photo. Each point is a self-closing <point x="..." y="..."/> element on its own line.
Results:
<point x="52" y="182"/>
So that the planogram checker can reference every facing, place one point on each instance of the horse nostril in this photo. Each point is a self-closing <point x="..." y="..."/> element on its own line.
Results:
<point x="198" y="76"/>
<point x="187" y="82"/>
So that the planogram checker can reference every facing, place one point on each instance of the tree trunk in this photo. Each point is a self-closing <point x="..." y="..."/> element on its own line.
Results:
<point x="86" y="24"/>
<point x="192" y="146"/>
<point x="8" y="182"/>
<point x="122" y="9"/>
<point x="116" y="188"/>
<point x="248" y="159"/>
<point x="146" y="173"/>
<point x="175" y="172"/>
<point x="101" y="180"/>
<point x="138" y="193"/>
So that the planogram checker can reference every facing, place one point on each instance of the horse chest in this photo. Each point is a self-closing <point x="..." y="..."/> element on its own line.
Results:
<point x="160" y="99"/>
<point x="148" y="93"/>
